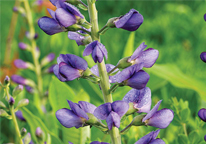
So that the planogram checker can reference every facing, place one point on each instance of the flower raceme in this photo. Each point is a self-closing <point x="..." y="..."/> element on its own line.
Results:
<point x="69" y="67"/>
<point x="77" y="116"/>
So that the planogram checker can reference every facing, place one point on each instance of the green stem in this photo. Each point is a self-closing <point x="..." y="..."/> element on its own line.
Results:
<point x="112" y="70"/>
<point x="103" y="30"/>
<point x="114" y="87"/>
<point x="185" y="128"/>
<point x="126" y="128"/>
<point x="33" y="48"/>
<point x="104" y="78"/>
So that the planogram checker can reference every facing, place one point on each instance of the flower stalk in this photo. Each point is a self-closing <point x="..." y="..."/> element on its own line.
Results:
<point x="104" y="78"/>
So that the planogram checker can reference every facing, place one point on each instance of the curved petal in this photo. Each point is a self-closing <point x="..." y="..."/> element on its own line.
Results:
<point x="56" y="72"/>
<point x="64" y="18"/>
<point x="145" y="139"/>
<point x="50" y="26"/>
<point x="77" y="37"/>
<point x="140" y="98"/>
<point x="73" y="10"/>
<point x="52" y="13"/>
<point x="68" y="72"/>
<point x="19" y="115"/>
<point x="157" y="141"/>
<point x="97" y="55"/>
<point x="89" y="48"/>
<point x="202" y="114"/>
<point x="151" y="113"/>
<point x="95" y="70"/>
<point x="68" y="118"/>
<point x="113" y="120"/>
<point x="77" y="62"/>
<point x="102" y="111"/>
<point x="62" y="58"/>
<point x="161" y="119"/>
<point x="102" y="48"/>
<point x="138" y="80"/>
<point x="87" y="107"/>
<point x="138" y="51"/>
<point x="77" y="110"/>
<point x="203" y="56"/>
<point x="120" y="107"/>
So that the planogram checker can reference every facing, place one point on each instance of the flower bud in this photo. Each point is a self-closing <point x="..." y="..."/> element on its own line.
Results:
<point x="22" y="64"/>
<point x="23" y="132"/>
<point x="7" y="80"/>
<point x="47" y="59"/>
<point x="20" y="10"/>
<point x="2" y="105"/>
<point x="39" y="133"/>
<point x="123" y="63"/>
<point x="49" y="69"/>
<point x="11" y="101"/>
<point x="3" y="113"/>
<point x="28" y="35"/>
<point x="17" y="90"/>
<point x="137" y="121"/>
<point x="37" y="54"/>
<point x="22" y="103"/>
<point x="110" y="22"/>
<point x="29" y="89"/>
<point x="20" y="80"/>
<point x="27" y="138"/>
<point x="23" y="46"/>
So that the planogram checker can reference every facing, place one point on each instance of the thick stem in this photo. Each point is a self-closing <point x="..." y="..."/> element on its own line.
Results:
<point x="104" y="78"/>
<point x="33" y="48"/>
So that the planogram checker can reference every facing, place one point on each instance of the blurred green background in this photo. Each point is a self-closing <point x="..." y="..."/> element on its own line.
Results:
<point x="176" y="28"/>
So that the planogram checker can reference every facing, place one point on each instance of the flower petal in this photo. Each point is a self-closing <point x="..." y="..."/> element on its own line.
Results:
<point x="145" y="139"/>
<point x="52" y="13"/>
<point x="151" y="113"/>
<point x="202" y="114"/>
<point x="56" y="72"/>
<point x="120" y="107"/>
<point x="68" y="118"/>
<point x="73" y="10"/>
<point x="138" y="51"/>
<point x="157" y="141"/>
<point x="89" y="48"/>
<point x="77" y="62"/>
<point x="161" y="119"/>
<point x="103" y="49"/>
<point x="113" y="120"/>
<point x="138" y="80"/>
<point x="77" y="37"/>
<point x="97" y="55"/>
<point x="68" y="72"/>
<point x="102" y="111"/>
<point x="203" y="56"/>
<point x="87" y="107"/>
<point x="77" y="110"/>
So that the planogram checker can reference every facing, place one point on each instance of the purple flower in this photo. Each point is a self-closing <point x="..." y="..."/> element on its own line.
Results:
<point x="18" y="79"/>
<point x="19" y="115"/>
<point x="133" y="76"/>
<point x="160" y="119"/>
<point x="140" y="98"/>
<point x="97" y="142"/>
<point x="150" y="138"/>
<point x="80" y="37"/>
<point x="203" y="56"/>
<point x="69" y="67"/>
<point x="97" y="49"/>
<point x="21" y="64"/>
<point x="111" y="112"/>
<point x="130" y="21"/>
<point x="147" y="57"/>
<point x="11" y="101"/>
<point x="202" y="114"/>
<point x="109" y="67"/>
<point x="23" y="46"/>
<point x="47" y="59"/>
<point x="29" y="89"/>
<point x="205" y="20"/>
<point x="39" y="132"/>
<point x="76" y="117"/>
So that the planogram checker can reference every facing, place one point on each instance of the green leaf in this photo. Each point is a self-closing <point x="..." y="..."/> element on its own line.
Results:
<point x="35" y="122"/>
<point x="129" y="48"/>
<point x="185" y="113"/>
<point x="194" y="137"/>
<point x="182" y="139"/>
<point x="173" y="74"/>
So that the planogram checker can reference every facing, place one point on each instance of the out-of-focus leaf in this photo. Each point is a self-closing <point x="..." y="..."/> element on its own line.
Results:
<point x="182" y="139"/>
<point x="185" y="113"/>
<point x="35" y="122"/>
<point x="173" y="74"/>
<point x="194" y="137"/>
<point x="129" y="48"/>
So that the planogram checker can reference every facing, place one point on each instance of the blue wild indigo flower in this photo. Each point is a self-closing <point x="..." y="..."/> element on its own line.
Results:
<point x="97" y="50"/>
<point x="19" y="79"/>
<point x="21" y="64"/>
<point x="19" y="115"/>
<point x="69" y="67"/>
<point x="141" y="99"/>
<point x="133" y="76"/>
<point x="202" y="114"/>
<point x="203" y="56"/>
<point x="160" y="119"/>
<point x="150" y="138"/>
<point x="77" y="116"/>
<point x="111" y="112"/>
<point x="80" y="37"/>
<point x="130" y="21"/>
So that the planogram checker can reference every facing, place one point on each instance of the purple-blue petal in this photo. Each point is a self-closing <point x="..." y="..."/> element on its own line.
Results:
<point x="120" y="107"/>
<point x="65" y="18"/>
<point x="202" y="114"/>
<point x="205" y="20"/>
<point x="50" y="26"/>
<point x="68" y="72"/>
<point x="113" y="120"/>
<point x="157" y="141"/>
<point x="151" y="113"/>
<point x="76" y="62"/>
<point x="138" y="51"/>
<point x="138" y="80"/>
<point x="72" y="9"/>
<point x="102" y="111"/>
<point x="62" y="58"/>
<point x="103" y="49"/>
<point x="19" y="115"/>
<point x="140" y="98"/>
<point x="130" y="21"/>
<point x="87" y="107"/>
<point x="56" y="72"/>
<point x="77" y="37"/>
<point x="203" y="56"/>
<point x="161" y="119"/>
<point x="97" y="55"/>
<point x="18" y="79"/>
<point x="52" y="13"/>
<point x="88" y="50"/>
<point x="145" y="139"/>
<point x="20" y="64"/>
<point x="77" y="110"/>
<point x="68" y="118"/>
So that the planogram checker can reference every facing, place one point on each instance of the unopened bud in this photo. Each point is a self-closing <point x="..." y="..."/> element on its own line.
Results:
<point x="3" y="113"/>
<point x="39" y="133"/>
<point x="22" y="103"/>
<point x="7" y="80"/>
<point x="22" y="64"/>
<point x="74" y="27"/>
<point x="23" y="132"/>
<point x="27" y="138"/>
<point x="11" y="101"/>
<point x="20" y="10"/>
<point x="29" y="36"/>
<point x="2" y="105"/>
<point x="123" y="63"/>
<point x="20" y="80"/>
<point x="50" y="69"/>
<point x="24" y="46"/>
<point x="137" y="121"/>
<point x="17" y="90"/>
<point x="37" y="54"/>
<point x="47" y="59"/>
<point x="131" y="109"/>
<point x="110" y="22"/>
<point x="87" y="40"/>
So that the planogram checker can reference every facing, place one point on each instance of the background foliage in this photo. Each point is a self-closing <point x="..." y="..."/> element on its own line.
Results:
<point x="176" y="28"/>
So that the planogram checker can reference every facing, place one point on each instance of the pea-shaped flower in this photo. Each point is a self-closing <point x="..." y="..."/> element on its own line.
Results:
<point x="111" y="112"/>
<point x="97" y="50"/>
<point x="76" y="117"/>
<point x="133" y="76"/>
<point x="203" y="56"/>
<point x="160" y="119"/>
<point x="150" y="138"/>
<point x="69" y="67"/>
<point x="80" y="37"/>
<point x="202" y="114"/>
<point x="130" y="21"/>
<point x="141" y="99"/>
